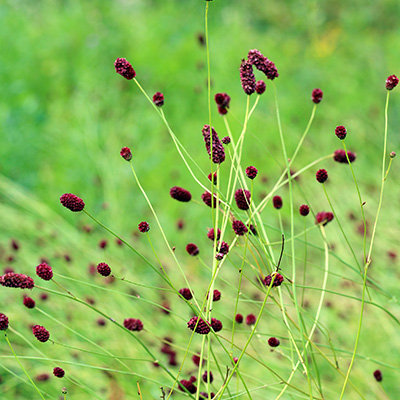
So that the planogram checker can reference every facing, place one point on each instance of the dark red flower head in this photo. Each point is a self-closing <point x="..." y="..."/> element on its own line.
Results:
<point x="218" y="151"/>
<point x="251" y="172"/>
<point x="391" y="82"/>
<point x="216" y="324"/>
<point x="211" y="234"/>
<point x="126" y="153"/>
<point x="206" y="375"/>
<point x="215" y="178"/>
<point x="239" y="318"/>
<point x="188" y="385"/>
<point x="340" y="132"/>
<point x="180" y="194"/>
<point x="14" y="245"/>
<point x="72" y="202"/>
<point x="42" y="377"/>
<point x="247" y="77"/>
<point x="277" y="282"/>
<point x="29" y="302"/>
<point x="222" y="100"/>
<point x="143" y="227"/>
<point x="304" y="210"/>
<point x="226" y="140"/>
<point x="321" y="175"/>
<point x="41" y="333"/>
<point x="239" y="227"/>
<point x="133" y="324"/>
<point x="206" y="197"/>
<point x="242" y="198"/>
<point x="124" y="68"/>
<point x="378" y="375"/>
<point x="251" y="319"/>
<point x="186" y="293"/>
<point x="216" y="295"/>
<point x="103" y="244"/>
<point x="3" y="322"/>
<point x="223" y="247"/>
<point x="316" y="96"/>
<point x="196" y="359"/>
<point x="262" y="63"/>
<point x="44" y="271"/>
<point x="260" y="87"/>
<point x="192" y="249"/>
<point x="158" y="99"/>
<point x="58" y="372"/>
<point x="277" y="201"/>
<point x="340" y="156"/>
<point x="202" y="327"/>
<point x="103" y="269"/>
<point x="323" y="217"/>
<point x="273" y="342"/>
<point x="22" y="281"/>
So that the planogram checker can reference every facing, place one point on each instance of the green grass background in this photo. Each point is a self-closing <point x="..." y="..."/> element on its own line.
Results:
<point x="65" y="114"/>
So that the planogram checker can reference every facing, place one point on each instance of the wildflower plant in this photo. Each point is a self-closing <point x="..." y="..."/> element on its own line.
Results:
<point x="248" y="316"/>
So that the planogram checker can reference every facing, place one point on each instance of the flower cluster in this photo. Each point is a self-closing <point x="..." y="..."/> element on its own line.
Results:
<point x="22" y="281"/>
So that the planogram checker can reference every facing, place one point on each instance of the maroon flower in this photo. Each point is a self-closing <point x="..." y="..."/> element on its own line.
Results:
<point x="14" y="245"/>
<point x="323" y="217"/>
<point x="340" y="132"/>
<point x="103" y="244"/>
<point x="192" y="249"/>
<point x="219" y="256"/>
<point x="253" y="229"/>
<point x="143" y="227"/>
<point x="202" y="327"/>
<point x="206" y="197"/>
<point x="72" y="202"/>
<point x="251" y="319"/>
<point x="42" y="377"/>
<point x="211" y="235"/>
<point x="316" y="96"/>
<point x="158" y="99"/>
<point x="103" y="269"/>
<point x="223" y="247"/>
<point x="124" y="68"/>
<point x="277" y="282"/>
<point x="216" y="295"/>
<point x="242" y="198"/>
<point x="218" y="151"/>
<point x="3" y="322"/>
<point x="101" y="321"/>
<point x="378" y="375"/>
<point x="304" y="210"/>
<point x="29" y="302"/>
<point x="251" y="172"/>
<point x="206" y="375"/>
<point x="186" y="293"/>
<point x="58" y="372"/>
<point x="391" y="82"/>
<point x="222" y="100"/>
<point x="226" y="140"/>
<point x="204" y="395"/>
<point x="215" y="178"/>
<point x="188" y="385"/>
<point x="216" y="324"/>
<point x="44" y="271"/>
<point x="340" y="156"/>
<point x="196" y="359"/>
<point x="126" y="153"/>
<point x="273" y="342"/>
<point x="321" y="175"/>
<point x="239" y="227"/>
<point x="260" y="87"/>
<point x="262" y="63"/>
<point x="133" y="324"/>
<point x="239" y="318"/>
<point x="180" y="194"/>
<point x="41" y="333"/>
<point x="277" y="201"/>
<point x="11" y="279"/>
<point x="247" y="77"/>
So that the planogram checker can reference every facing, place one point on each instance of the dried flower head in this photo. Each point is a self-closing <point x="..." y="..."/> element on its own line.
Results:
<point x="277" y="281"/>
<point x="321" y="175"/>
<point x="340" y="132"/>
<point x="202" y="327"/>
<point x="192" y="249"/>
<point x="251" y="172"/>
<point x="103" y="269"/>
<point x="216" y="324"/>
<point x="226" y="140"/>
<point x="260" y="87"/>
<point x="242" y="198"/>
<point x="180" y="194"/>
<point x="44" y="271"/>
<point x="340" y="156"/>
<point x="72" y="202"/>
<point x="273" y="342"/>
<point x="133" y="324"/>
<point x="58" y="372"/>
<point x="316" y="96"/>
<point x="239" y="318"/>
<point x="29" y="302"/>
<point x="251" y="319"/>
<point x="40" y="333"/>
<point x="186" y="293"/>
<point x="378" y="375"/>
<point x="143" y="227"/>
<point x="22" y="281"/>
<point x="277" y="202"/>
<point x="211" y="234"/>
<point x="158" y="99"/>
<point x="391" y="82"/>
<point x="124" y="68"/>
<point x="126" y="153"/>
<point x="218" y="151"/>
<point x="239" y="227"/>
<point x="3" y="322"/>
<point x="304" y="210"/>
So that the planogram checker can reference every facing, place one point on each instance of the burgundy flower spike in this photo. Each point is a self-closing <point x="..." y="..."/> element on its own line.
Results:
<point x="72" y="202"/>
<point x="124" y="68"/>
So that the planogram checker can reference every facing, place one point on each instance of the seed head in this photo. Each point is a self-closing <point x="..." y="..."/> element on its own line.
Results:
<point x="273" y="342"/>
<point x="247" y="77"/>
<point x="202" y="327"/>
<point x="3" y="322"/>
<point x="218" y="151"/>
<point x="133" y="324"/>
<point x="242" y="198"/>
<point x="251" y="172"/>
<point x="378" y="375"/>
<point x="321" y="175"/>
<point x="206" y="197"/>
<point x="126" y="153"/>
<point x="340" y="132"/>
<point x="277" y="282"/>
<point x="206" y="375"/>
<point x="340" y="156"/>
<point x="251" y="319"/>
<point x="192" y="249"/>
<point x="124" y="68"/>
<point x="58" y="372"/>
<point x="180" y="194"/>
<point x="103" y="269"/>
<point x="211" y="235"/>
<point x="29" y="302"/>
<point x="239" y="227"/>
<point x="143" y="227"/>
<point x="216" y="324"/>
<point x="316" y="96"/>
<point x="44" y="271"/>
<point x="391" y="82"/>
<point x="226" y="140"/>
<point x="72" y="202"/>
<point x="40" y="333"/>
<point x="260" y="87"/>
<point x="277" y="201"/>
<point x="239" y="318"/>
<point x="188" y="385"/>
<point x="304" y="210"/>
<point x="158" y="99"/>
<point x="186" y="293"/>
<point x="22" y="281"/>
